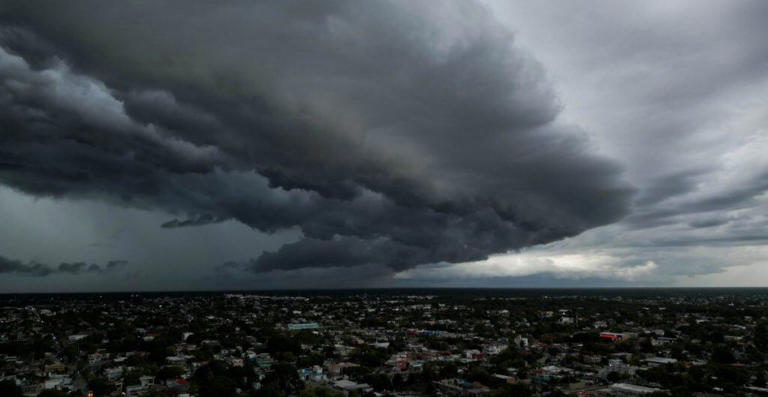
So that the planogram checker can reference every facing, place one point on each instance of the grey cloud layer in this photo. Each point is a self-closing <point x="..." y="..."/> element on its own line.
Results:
<point x="36" y="269"/>
<point x="388" y="133"/>
<point x="677" y="92"/>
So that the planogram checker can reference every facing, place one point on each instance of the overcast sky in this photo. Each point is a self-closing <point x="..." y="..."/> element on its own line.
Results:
<point x="179" y="145"/>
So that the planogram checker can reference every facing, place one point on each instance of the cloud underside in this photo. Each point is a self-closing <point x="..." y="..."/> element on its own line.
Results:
<point x="387" y="135"/>
<point x="36" y="269"/>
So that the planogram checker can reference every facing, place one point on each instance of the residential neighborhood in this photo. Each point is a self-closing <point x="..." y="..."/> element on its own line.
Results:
<point x="393" y="343"/>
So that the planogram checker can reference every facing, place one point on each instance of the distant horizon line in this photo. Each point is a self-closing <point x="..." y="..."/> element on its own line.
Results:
<point x="272" y="290"/>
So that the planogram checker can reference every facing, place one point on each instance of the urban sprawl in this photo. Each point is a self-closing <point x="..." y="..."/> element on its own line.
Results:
<point x="406" y="343"/>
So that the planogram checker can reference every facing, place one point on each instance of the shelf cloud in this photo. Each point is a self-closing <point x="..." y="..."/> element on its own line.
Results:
<point x="286" y="143"/>
<point x="390" y="134"/>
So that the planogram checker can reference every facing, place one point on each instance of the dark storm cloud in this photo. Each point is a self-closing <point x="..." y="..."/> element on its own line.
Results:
<point x="711" y="204"/>
<point x="199" y="220"/>
<point x="667" y="186"/>
<point x="41" y="270"/>
<point x="393" y="134"/>
<point x="708" y="222"/>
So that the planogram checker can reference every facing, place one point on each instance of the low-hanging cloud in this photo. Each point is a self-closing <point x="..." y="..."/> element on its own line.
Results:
<point x="390" y="134"/>
<point x="36" y="269"/>
<point x="571" y="266"/>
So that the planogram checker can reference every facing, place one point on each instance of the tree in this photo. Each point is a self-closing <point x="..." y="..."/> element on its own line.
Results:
<point x="280" y="343"/>
<point x="100" y="386"/>
<point x="319" y="392"/>
<point x="380" y="382"/>
<point x="284" y="375"/>
<point x="132" y="377"/>
<point x="723" y="356"/>
<point x="477" y="374"/>
<point x="9" y="388"/>
<point x="212" y="380"/>
<point x="160" y="393"/>
<point x="53" y="393"/>
<point x="219" y="386"/>
<point x="269" y="390"/>
<point x="449" y="371"/>
<point x="397" y="381"/>
<point x="516" y="390"/>
<point x="170" y="372"/>
<point x="760" y="380"/>
<point x="614" y="377"/>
